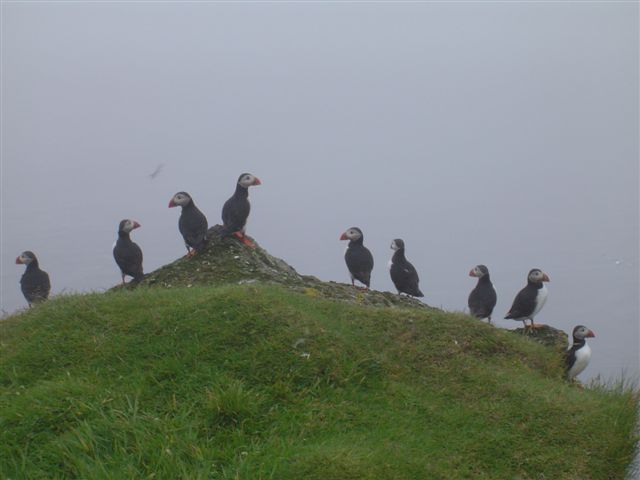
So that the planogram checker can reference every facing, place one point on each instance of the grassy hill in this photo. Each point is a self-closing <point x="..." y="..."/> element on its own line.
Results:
<point x="277" y="381"/>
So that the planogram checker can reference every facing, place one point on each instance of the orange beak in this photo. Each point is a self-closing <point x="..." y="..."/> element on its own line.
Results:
<point x="545" y="277"/>
<point x="135" y="225"/>
<point x="18" y="261"/>
<point x="257" y="181"/>
<point x="590" y="334"/>
<point x="172" y="204"/>
<point x="344" y="236"/>
<point x="472" y="273"/>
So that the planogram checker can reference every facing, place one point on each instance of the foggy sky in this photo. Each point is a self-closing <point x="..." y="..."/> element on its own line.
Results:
<point x="495" y="133"/>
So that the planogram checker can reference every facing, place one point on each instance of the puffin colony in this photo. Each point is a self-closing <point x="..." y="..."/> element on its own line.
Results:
<point x="193" y="226"/>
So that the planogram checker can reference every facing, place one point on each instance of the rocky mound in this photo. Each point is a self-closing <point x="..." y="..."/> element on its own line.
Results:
<point x="226" y="260"/>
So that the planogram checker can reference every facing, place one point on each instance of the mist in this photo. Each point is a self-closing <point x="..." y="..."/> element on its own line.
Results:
<point x="495" y="133"/>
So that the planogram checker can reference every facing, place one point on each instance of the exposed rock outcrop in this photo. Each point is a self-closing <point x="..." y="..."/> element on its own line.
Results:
<point x="547" y="335"/>
<point x="226" y="260"/>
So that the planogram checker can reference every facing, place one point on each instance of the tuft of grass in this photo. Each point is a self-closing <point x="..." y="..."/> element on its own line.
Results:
<point x="257" y="381"/>
<point x="230" y="403"/>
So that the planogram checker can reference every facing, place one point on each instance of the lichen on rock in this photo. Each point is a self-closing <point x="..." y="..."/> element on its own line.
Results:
<point x="227" y="260"/>
<point x="546" y="335"/>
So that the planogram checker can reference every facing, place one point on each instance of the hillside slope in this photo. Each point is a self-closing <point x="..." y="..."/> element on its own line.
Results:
<point x="262" y="382"/>
<point x="233" y="365"/>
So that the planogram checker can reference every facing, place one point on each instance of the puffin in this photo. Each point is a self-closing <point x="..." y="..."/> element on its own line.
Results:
<point x="577" y="357"/>
<point x="358" y="257"/>
<point x="35" y="284"/>
<point x="128" y="254"/>
<point x="483" y="297"/>
<point x="530" y="300"/>
<point x="236" y="210"/>
<point x="403" y="274"/>
<point x="192" y="223"/>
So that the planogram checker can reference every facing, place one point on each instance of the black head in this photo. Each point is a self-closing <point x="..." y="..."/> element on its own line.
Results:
<point x="397" y="244"/>
<point x="479" y="271"/>
<point x="180" y="199"/>
<point x="247" y="180"/>
<point x="127" y="225"/>
<point x="537" y="276"/>
<point x="581" y="332"/>
<point x="26" y="257"/>
<point x="353" y="233"/>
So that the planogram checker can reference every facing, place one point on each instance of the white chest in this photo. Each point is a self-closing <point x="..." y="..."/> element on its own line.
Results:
<point x="390" y="264"/>
<point x="583" y="356"/>
<point x="541" y="299"/>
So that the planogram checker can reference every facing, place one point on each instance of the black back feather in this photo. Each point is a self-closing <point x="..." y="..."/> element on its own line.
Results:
<point x="235" y="211"/>
<point x="404" y="275"/>
<point x="482" y="299"/>
<point x="35" y="283"/>
<point x="525" y="302"/>
<point x="193" y="226"/>
<point x="359" y="261"/>
<point x="128" y="256"/>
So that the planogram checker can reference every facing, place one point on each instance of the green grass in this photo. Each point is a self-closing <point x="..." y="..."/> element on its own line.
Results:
<point x="258" y="382"/>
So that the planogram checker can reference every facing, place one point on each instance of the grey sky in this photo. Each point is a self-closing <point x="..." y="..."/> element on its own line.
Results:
<point x="496" y="133"/>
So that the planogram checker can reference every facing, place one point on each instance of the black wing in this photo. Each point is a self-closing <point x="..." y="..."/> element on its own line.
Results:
<point x="570" y="357"/>
<point x="35" y="286"/>
<point x="524" y="304"/>
<point x="405" y="278"/>
<point x="129" y="258"/>
<point x="482" y="301"/>
<point x="360" y="263"/>
<point x="234" y="214"/>
<point x="193" y="227"/>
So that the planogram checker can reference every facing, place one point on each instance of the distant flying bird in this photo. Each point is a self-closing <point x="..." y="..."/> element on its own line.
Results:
<point x="577" y="357"/>
<point x="358" y="257"/>
<point x="236" y="209"/>
<point x="127" y="253"/>
<point x="34" y="283"/>
<point x="482" y="298"/>
<point x="530" y="300"/>
<point x="192" y="223"/>
<point x="403" y="274"/>
<point x="156" y="172"/>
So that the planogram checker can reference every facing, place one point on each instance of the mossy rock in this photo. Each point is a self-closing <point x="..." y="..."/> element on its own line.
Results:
<point x="228" y="261"/>
<point x="546" y="335"/>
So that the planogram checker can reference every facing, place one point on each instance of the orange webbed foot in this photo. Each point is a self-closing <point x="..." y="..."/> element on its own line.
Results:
<point x="243" y="238"/>
<point x="248" y="242"/>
